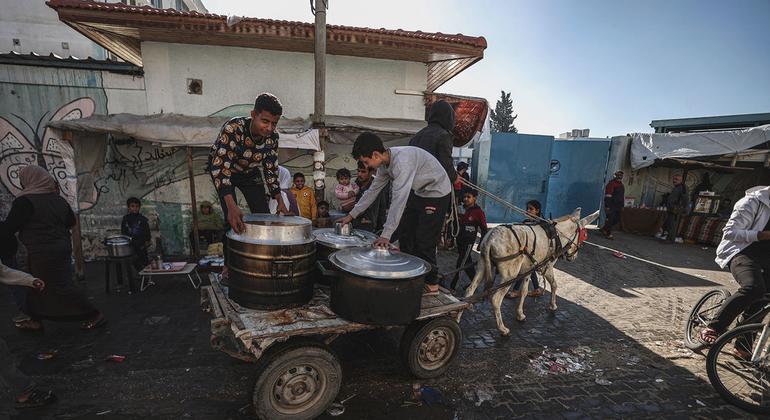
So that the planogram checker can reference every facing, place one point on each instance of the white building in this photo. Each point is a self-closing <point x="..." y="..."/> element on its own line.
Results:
<point x="195" y="64"/>
<point x="29" y="26"/>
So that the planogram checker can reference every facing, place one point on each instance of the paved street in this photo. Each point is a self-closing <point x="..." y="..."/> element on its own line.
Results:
<point x="619" y="319"/>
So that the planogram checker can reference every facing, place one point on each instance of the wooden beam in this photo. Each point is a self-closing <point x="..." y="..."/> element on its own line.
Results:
<point x="194" y="203"/>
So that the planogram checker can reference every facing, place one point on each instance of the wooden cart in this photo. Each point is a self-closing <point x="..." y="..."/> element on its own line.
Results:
<point x="299" y="375"/>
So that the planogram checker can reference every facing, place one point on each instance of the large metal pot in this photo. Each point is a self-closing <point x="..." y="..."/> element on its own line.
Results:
<point x="271" y="264"/>
<point x="329" y="241"/>
<point x="377" y="286"/>
<point x="118" y="246"/>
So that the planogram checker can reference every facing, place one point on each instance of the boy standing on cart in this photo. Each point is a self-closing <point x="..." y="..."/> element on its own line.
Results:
<point x="243" y="146"/>
<point x="416" y="223"/>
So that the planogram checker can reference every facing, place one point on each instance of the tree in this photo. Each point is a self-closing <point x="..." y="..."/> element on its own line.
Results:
<point x="502" y="116"/>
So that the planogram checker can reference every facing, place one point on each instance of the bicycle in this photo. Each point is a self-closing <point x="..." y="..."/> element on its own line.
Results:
<point x="738" y="366"/>
<point x="704" y="311"/>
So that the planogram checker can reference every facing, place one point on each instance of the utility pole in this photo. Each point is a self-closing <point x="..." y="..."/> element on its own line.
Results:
<point x="319" y="108"/>
<point x="319" y="104"/>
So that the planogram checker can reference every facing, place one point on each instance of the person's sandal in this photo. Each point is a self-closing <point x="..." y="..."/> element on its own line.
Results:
<point x="741" y="354"/>
<point x="537" y="292"/>
<point x="513" y="294"/>
<point x="29" y="325"/>
<point x="708" y="336"/>
<point x="36" y="398"/>
<point x="427" y="292"/>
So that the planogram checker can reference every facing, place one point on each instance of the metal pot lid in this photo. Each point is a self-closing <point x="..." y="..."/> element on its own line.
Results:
<point x="118" y="240"/>
<point x="270" y="229"/>
<point x="379" y="263"/>
<point x="328" y="237"/>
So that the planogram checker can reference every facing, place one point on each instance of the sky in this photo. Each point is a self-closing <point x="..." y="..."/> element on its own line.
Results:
<point x="611" y="66"/>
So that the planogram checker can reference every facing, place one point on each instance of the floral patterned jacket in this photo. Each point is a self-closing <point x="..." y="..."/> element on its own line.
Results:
<point x="237" y="152"/>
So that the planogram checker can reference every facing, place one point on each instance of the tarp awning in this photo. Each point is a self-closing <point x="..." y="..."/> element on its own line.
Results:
<point x="646" y="148"/>
<point x="184" y="130"/>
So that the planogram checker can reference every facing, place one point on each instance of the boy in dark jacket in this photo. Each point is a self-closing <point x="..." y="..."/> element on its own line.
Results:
<point x="136" y="226"/>
<point x="437" y="138"/>
<point x="472" y="221"/>
<point x="614" y="199"/>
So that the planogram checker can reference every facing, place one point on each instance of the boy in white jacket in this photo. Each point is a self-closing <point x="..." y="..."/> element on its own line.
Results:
<point x="28" y="395"/>
<point x="745" y="249"/>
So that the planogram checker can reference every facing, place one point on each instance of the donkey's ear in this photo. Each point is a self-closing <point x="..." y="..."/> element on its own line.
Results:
<point x="589" y="219"/>
<point x="576" y="215"/>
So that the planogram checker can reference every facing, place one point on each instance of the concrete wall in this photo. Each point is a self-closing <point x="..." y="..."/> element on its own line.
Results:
<point x="230" y="75"/>
<point x="39" y="30"/>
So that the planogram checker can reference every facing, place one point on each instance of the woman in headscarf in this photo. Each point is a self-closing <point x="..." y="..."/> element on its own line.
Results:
<point x="284" y="181"/>
<point x="43" y="220"/>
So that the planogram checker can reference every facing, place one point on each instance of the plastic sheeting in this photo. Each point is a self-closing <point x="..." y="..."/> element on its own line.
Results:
<point x="646" y="148"/>
<point x="181" y="130"/>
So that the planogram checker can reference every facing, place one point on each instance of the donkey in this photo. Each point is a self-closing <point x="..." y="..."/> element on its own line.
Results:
<point x="515" y="249"/>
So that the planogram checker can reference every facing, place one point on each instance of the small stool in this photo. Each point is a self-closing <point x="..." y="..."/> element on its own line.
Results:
<point x="121" y="264"/>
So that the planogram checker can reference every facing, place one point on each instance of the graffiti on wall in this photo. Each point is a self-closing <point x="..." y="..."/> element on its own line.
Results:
<point x="43" y="147"/>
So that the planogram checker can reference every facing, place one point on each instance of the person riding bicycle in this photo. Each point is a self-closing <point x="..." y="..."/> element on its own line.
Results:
<point x="745" y="249"/>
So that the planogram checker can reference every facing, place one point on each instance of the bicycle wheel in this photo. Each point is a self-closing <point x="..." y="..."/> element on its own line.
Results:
<point x="737" y="379"/>
<point x="700" y="315"/>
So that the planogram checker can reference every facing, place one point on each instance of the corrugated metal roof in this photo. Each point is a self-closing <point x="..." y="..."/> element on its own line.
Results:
<point x="53" y="60"/>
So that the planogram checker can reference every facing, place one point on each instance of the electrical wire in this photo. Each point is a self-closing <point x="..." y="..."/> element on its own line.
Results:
<point x="501" y="201"/>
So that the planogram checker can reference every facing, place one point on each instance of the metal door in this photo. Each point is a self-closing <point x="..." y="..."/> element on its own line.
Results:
<point x="514" y="167"/>
<point x="577" y="176"/>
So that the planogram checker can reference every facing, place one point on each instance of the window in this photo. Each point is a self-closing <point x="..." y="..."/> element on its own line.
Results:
<point x="158" y="4"/>
<point x="195" y="86"/>
<point x="16" y="42"/>
<point x="65" y="45"/>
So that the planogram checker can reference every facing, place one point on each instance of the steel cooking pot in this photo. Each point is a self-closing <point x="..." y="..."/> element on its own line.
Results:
<point x="377" y="286"/>
<point x="272" y="262"/>
<point x="118" y="246"/>
<point x="328" y="241"/>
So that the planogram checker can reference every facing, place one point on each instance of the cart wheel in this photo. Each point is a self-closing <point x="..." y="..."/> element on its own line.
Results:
<point x="298" y="381"/>
<point x="428" y="347"/>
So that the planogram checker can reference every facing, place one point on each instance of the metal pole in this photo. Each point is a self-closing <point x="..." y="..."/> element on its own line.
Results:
<point x="194" y="204"/>
<point x="319" y="108"/>
<point x="319" y="105"/>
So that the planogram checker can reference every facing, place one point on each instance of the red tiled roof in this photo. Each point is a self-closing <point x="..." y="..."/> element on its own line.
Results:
<point x="479" y="42"/>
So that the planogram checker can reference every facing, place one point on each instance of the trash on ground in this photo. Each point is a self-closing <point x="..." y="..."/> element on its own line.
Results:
<point x="115" y="358"/>
<point x="602" y="381"/>
<point x="246" y="409"/>
<point x="47" y="355"/>
<point x="335" y="409"/>
<point x="700" y="403"/>
<point x="659" y="380"/>
<point x="479" y="395"/>
<point x="619" y="254"/>
<point x="427" y="395"/>
<point x="558" y="362"/>
<point x="156" y="320"/>
<point x="101" y="413"/>
<point x="83" y="364"/>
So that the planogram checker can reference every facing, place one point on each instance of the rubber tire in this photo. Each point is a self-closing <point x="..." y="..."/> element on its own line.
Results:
<point x="711" y="369"/>
<point x="694" y="343"/>
<point x="414" y="335"/>
<point x="282" y="357"/>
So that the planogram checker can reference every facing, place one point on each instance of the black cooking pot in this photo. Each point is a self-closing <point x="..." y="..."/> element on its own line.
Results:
<point x="377" y="286"/>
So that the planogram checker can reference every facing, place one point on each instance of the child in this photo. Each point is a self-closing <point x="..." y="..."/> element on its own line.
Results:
<point x="472" y="221"/>
<point x="305" y="197"/>
<point x="533" y="209"/>
<point x="345" y="191"/>
<point x="323" y="220"/>
<point x="136" y="226"/>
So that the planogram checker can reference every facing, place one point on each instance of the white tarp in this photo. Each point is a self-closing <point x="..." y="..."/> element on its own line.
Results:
<point x="182" y="130"/>
<point x="645" y="148"/>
